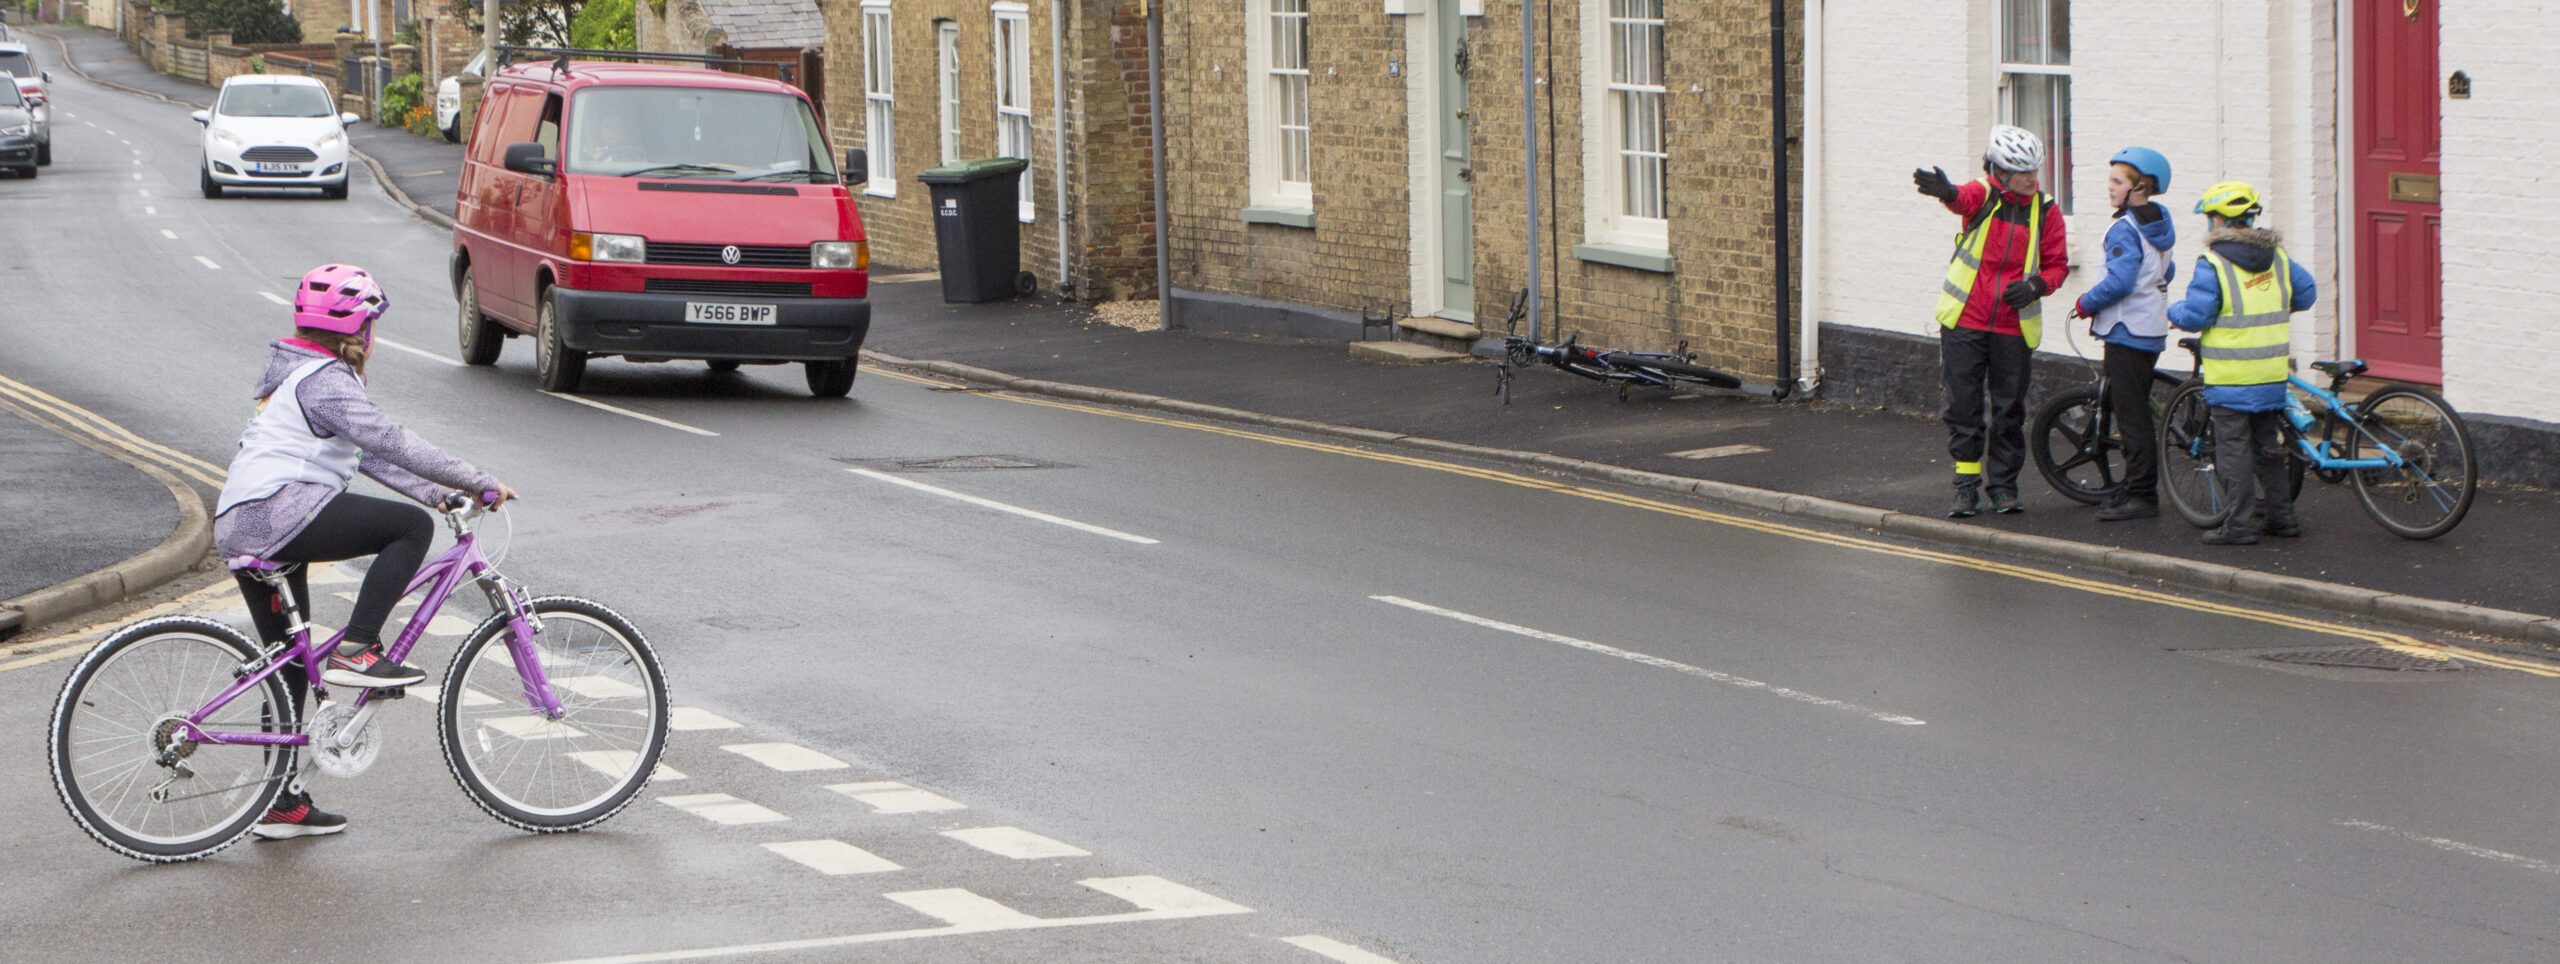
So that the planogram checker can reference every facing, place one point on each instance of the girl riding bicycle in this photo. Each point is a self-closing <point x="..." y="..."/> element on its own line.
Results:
<point x="286" y="499"/>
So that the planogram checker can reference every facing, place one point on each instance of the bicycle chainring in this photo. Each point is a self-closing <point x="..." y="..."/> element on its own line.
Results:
<point x="335" y="750"/>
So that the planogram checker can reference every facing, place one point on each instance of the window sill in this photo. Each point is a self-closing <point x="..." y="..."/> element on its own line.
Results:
<point x="874" y="190"/>
<point x="1284" y="217"/>
<point x="1626" y="256"/>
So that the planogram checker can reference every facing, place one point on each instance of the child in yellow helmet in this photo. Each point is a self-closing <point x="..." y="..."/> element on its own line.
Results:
<point x="2242" y="295"/>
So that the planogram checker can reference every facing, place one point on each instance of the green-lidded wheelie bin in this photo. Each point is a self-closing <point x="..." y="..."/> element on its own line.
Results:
<point x="977" y="226"/>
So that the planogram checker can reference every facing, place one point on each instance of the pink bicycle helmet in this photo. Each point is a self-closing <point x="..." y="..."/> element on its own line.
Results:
<point x="340" y="298"/>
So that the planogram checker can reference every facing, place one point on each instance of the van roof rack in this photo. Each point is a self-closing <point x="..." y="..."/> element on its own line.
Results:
<point x="559" y="56"/>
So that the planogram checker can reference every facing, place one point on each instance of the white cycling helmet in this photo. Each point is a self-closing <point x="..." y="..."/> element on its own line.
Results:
<point x="2014" y="149"/>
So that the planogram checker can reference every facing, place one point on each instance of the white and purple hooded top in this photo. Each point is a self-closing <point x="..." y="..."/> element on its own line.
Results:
<point x="294" y="459"/>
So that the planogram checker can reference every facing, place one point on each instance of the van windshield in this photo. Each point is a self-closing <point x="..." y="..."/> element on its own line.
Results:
<point x="274" y="100"/>
<point x="691" y="132"/>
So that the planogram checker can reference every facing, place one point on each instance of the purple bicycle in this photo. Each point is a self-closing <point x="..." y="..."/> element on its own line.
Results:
<point x="172" y="737"/>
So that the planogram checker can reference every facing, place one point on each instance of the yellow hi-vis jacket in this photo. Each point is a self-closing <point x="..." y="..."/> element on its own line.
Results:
<point x="1967" y="263"/>
<point x="2252" y="343"/>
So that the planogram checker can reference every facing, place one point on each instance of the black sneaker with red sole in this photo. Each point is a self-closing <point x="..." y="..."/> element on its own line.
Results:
<point x="294" y="816"/>
<point x="370" y="669"/>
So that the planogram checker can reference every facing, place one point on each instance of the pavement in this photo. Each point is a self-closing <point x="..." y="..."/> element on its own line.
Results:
<point x="1890" y="460"/>
<point x="1432" y="707"/>
<point x="68" y="510"/>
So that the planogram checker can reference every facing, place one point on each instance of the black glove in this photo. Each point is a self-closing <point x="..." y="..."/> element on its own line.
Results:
<point x="2020" y="293"/>
<point x="1933" y="182"/>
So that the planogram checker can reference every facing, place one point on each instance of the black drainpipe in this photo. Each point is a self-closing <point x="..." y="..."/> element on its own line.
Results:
<point x="1778" y="173"/>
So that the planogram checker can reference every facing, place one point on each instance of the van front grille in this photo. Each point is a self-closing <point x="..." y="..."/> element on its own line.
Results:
<point x="749" y="255"/>
<point x="703" y="286"/>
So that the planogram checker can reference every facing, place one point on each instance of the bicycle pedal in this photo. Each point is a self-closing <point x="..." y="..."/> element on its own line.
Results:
<point x="393" y="693"/>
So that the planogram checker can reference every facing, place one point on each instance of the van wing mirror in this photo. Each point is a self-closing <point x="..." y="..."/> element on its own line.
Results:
<point x="526" y="158"/>
<point x="857" y="166"/>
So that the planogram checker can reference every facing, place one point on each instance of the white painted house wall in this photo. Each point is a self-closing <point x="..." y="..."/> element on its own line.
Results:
<point x="2502" y="209"/>
<point x="2229" y="91"/>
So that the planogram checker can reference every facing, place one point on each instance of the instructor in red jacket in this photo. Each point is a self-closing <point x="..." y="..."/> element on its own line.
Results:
<point x="2009" y="254"/>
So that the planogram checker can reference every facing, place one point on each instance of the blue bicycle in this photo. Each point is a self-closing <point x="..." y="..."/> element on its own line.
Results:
<point x="2404" y="447"/>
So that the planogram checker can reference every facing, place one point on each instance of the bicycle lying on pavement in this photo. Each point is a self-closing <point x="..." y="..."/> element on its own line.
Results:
<point x="2404" y="447"/>
<point x="176" y="734"/>
<point x="1628" y="369"/>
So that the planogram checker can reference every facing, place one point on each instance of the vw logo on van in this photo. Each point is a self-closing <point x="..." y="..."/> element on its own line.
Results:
<point x="729" y="255"/>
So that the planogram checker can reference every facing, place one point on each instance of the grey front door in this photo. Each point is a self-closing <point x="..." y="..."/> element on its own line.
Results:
<point x="1457" y="173"/>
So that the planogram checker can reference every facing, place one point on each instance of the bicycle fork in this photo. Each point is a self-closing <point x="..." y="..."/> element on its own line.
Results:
<point x="522" y="626"/>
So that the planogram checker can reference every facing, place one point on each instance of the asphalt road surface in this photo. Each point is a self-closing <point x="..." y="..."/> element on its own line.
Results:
<point x="1172" y="691"/>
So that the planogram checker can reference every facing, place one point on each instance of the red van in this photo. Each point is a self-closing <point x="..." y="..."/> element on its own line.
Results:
<point x="658" y="213"/>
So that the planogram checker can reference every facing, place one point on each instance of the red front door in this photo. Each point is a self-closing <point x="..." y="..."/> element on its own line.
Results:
<point x="2399" y="222"/>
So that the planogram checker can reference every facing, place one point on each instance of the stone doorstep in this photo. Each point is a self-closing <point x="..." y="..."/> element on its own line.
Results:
<point x="1401" y="353"/>
<point x="1442" y="327"/>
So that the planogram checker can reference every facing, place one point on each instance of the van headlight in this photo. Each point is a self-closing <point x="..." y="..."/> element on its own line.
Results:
<point x="623" y="248"/>
<point x="840" y="254"/>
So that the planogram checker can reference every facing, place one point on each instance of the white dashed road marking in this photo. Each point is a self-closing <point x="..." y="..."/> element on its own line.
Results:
<point x="1001" y="507"/>
<point x="2456" y="846"/>
<point x="207" y="262"/>
<point x="1719" y="451"/>
<point x="651" y="419"/>
<point x="166" y="233"/>
<point x="1164" y="896"/>
<point x="596" y="687"/>
<point x="696" y="718"/>
<point x="786" y="757"/>
<point x="614" y="763"/>
<point x="274" y="297"/>
<point x="834" y="858"/>
<point x="1334" y="949"/>
<point x="470" y="697"/>
<point x="960" y="908"/>
<point x="420" y="352"/>
<point x="532" y="728"/>
<point x="889" y="796"/>
<point x="1655" y="661"/>
<point x="721" y="808"/>
<point x="1016" y="843"/>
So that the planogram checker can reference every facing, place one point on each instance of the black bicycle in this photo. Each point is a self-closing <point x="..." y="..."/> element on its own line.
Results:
<point x="2076" y="444"/>
<point x="1628" y="369"/>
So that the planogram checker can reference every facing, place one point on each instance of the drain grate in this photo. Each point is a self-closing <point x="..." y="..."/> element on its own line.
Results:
<point x="950" y="463"/>
<point x="2366" y="657"/>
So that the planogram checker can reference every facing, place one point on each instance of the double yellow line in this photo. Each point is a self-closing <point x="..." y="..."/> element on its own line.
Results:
<point x="2396" y="642"/>
<point x="35" y="405"/>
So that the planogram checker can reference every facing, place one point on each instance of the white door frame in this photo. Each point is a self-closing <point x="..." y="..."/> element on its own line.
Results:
<point x="1422" y="145"/>
<point x="2350" y="218"/>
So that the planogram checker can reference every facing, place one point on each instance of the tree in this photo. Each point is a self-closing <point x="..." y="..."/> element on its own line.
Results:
<point x="604" y="25"/>
<point x="526" y="23"/>
<point x="247" y="21"/>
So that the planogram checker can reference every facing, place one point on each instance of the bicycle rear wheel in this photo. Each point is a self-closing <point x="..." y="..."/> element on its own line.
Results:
<point x="2428" y="494"/>
<point x="2187" y="480"/>
<point x="118" y="762"/>
<point x="552" y="775"/>
<point x="2084" y="469"/>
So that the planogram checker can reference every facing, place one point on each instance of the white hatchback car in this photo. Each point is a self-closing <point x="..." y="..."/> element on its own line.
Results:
<point x="449" y="97"/>
<point x="267" y="130"/>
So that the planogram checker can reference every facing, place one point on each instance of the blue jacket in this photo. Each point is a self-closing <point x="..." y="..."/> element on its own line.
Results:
<point x="2133" y="228"/>
<point x="2249" y="249"/>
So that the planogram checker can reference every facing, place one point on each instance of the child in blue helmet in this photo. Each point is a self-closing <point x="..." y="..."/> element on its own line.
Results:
<point x="2128" y="309"/>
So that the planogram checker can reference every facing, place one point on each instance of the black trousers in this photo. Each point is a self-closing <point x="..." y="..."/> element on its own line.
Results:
<point x="2249" y="462"/>
<point x="1986" y="404"/>
<point x="396" y="534"/>
<point x="2129" y="390"/>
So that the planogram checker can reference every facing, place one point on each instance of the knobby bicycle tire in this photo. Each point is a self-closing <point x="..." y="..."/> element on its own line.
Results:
<point x="74" y="689"/>
<point x="2369" y="481"/>
<point x="455" y="694"/>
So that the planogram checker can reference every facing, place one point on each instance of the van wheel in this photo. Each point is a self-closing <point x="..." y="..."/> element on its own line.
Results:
<point x="558" y="366"/>
<point x="830" y="379"/>
<point x="481" y="338"/>
<point x="723" y="364"/>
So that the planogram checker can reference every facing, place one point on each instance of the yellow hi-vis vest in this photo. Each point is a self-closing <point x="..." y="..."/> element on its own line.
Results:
<point x="2252" y="343"/>
<point x="1968" y="262"/>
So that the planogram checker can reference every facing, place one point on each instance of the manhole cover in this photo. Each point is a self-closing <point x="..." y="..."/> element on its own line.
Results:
<point x="950" y="463"/>
<point x="2366" y="657"/>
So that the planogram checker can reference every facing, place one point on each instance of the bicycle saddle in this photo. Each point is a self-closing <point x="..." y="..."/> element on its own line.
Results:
<point x="2343" y="368"/>
<point x="255" y="564"/>
<point x="2190" y="344"/>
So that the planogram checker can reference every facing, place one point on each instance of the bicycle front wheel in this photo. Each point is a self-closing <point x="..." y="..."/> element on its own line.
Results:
<point x="1684" y="372"/>
<point x="2187" y="480"/>
<point x="2083" y="467"/>
<point x="544" y="774"/>
<point x="119" y="757"/>
<point x="2430" y="491"/>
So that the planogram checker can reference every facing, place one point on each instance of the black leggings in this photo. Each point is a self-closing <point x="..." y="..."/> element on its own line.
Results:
<point x="396" y="534"/>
